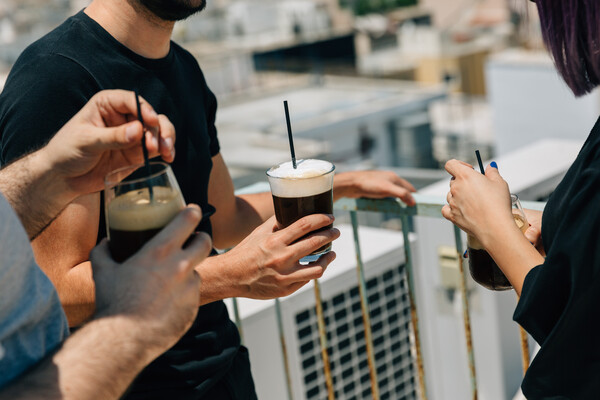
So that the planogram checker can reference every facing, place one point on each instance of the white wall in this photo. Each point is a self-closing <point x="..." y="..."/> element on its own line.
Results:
<point x="530" y="102"/>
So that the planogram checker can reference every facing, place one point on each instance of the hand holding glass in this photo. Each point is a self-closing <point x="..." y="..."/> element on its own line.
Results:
<point x="481" y="265"/>
<point x="132" y="216"/>
<point x="298" y="192"/>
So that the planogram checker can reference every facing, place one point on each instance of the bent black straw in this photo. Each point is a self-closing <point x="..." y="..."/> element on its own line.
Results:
<point x="289" y="128"/>
<point x="144" y="148"/>
<point x="479" y="161"/>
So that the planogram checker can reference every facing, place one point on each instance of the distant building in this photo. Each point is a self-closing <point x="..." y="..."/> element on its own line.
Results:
<point x="330" y="118"/>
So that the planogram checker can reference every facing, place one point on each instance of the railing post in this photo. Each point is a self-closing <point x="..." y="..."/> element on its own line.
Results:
<point x="466" y="314"/>
<point x="413" y="307"/>
<point x="323" y="341"/>
<point x="524" y="350"/>
<point x="524" y="347"/>
<point x="286" y="362"/>
<point x="364" y="306"/>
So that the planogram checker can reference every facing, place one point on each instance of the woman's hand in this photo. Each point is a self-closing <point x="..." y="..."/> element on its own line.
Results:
<point x="478" y="204"/>
<point x="534" y="232"/>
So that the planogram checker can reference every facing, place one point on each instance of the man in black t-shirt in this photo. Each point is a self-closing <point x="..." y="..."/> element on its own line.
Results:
<point x="126" y="44"/>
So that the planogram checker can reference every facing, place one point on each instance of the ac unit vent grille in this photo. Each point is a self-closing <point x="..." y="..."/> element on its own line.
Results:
<point x="390" y="324"/>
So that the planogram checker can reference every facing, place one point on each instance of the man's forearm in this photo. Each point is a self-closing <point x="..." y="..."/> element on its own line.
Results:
<point x="216" y="284"/>
<point x="231" y="226"/>
<point x="76" y="293"/>
<point x="34" y="191"/>
<point x="98" y="362"/>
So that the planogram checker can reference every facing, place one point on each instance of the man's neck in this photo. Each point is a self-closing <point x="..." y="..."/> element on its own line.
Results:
<point x="133" y="26"/>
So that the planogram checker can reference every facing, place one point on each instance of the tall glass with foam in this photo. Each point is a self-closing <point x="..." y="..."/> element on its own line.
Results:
<point x="301" y="191"/>
<point x="132" y="216"/>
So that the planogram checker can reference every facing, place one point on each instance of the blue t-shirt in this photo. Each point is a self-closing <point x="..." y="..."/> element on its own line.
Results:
<point x="32" y="321"/>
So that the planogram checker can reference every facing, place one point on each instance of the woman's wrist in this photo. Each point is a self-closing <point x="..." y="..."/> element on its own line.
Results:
<point x="498" y="229"/>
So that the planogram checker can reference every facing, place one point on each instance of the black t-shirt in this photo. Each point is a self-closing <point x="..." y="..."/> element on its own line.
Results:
<point x="51" y="81"/>
<point x="560" y="301"/>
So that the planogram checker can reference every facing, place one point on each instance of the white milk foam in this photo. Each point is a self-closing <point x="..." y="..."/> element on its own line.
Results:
<point x="306" y="180"/>
<point x="133" y="211"/>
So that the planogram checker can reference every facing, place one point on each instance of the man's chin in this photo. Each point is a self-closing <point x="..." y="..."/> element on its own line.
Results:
<point x="173" y="10"/>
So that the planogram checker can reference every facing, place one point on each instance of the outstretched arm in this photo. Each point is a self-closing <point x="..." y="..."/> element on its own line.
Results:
<point x="80" y="368"/>
<point x="144" y="306"/>
<point x="237" y="216"/>
<point x="39" y="186"/>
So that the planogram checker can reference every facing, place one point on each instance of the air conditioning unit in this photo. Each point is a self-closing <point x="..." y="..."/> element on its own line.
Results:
<point x="387" y="291"/>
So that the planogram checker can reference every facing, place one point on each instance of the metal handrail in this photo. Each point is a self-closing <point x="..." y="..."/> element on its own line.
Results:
<point x="426" y="206"/>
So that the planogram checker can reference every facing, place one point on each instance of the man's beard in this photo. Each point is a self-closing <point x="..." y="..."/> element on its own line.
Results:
<point x="172" y="10"/>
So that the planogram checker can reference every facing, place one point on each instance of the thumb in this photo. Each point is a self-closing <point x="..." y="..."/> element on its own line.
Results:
<point x="118" y="137"/>
<point x="492" y="172"/>
<point x="532" y="234"/>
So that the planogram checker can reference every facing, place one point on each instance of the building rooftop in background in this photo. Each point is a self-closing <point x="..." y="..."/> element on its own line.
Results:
<point x="329" y="117"/>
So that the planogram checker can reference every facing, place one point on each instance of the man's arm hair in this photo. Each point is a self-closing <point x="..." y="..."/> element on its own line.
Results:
<point x="34" y="192"/>
<point x="98" y="362"/>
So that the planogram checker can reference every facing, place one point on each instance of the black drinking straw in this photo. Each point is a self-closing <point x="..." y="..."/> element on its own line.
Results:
<point x="289" y="128"/>
<point x="479" y="161"/>
<point x="144" y="148"/>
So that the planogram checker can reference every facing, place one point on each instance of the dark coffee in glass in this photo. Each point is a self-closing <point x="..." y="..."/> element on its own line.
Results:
<point x="132" y="216"/>
<point x="303" y="191"/>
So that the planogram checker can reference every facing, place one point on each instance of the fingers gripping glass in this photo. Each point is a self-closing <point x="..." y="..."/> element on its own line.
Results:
<point x="132" y="216"/>
<point x="302" y="190"/>
<point x="481" y="265"/>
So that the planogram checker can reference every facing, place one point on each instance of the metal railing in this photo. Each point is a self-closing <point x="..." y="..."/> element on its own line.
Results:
<point x="426" y="206"/>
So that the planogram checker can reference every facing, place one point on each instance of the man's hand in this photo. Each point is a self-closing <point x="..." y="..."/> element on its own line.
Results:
<point x="105" y="135"/>
<point x="94" y="142"/>
<point x="373" y="184"/>
<point x="157" y="288"/>
<point x="265" y="265"/>
<point x="534" y="232"/>
<point x="144" y="306"/>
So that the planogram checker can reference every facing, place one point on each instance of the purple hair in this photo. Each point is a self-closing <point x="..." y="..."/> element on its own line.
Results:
<point x="571" y="31"/>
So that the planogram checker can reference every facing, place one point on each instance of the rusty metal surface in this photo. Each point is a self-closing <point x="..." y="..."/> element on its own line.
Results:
<point x="323" y="342"/>
<point x="524" y="347"/>
<point x="413" y="308"/>
<point x="466" y="314"/>
<point x="364" y="306"/>
<point x="524" y="350"/>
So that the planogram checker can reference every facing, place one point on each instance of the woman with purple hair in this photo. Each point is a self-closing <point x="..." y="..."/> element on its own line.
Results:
<point x="558" y="278"/>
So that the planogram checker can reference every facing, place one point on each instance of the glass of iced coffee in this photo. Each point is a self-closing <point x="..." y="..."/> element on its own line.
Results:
<point x="138" y="202"/>
<point x="482" y="267"/>
<point x="301" y="191"/>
